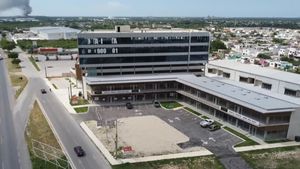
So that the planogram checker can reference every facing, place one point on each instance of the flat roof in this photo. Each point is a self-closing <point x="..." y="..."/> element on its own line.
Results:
<point x="54" y="29"/>
<point x="174" y="30"/>
<point x="245" y="96"/>
<point x="257" y="70"/>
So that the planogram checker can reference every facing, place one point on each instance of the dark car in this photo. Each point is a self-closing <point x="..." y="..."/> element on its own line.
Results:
<point x="214" y="127"/>
<point x="156" y="104"/>
<point x="79" y="151"/>
<point x="129" y="106"/>
<point x="43" y="91"/>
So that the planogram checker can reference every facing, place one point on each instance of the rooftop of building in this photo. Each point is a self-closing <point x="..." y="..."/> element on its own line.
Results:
<point x="246" y="96"/>
<point x="258" y="70"/>
<point x="50" y="29"/>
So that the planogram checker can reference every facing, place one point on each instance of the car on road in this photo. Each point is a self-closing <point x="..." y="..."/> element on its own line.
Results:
<point x="1" y="58"/>
<point x="129" y="105"/>
<point x="43" y="91"/>
<point x="79" y="151"/>
<point x="213" y="127"/>
<point x="156" y="104"/>
<point x="206" y="122"/>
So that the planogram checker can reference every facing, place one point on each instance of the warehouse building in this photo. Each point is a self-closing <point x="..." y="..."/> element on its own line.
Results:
<point x="55" y="33"/>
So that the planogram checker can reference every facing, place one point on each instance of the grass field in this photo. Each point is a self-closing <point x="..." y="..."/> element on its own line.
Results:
<point x="81" y="102"/>
<point x="32" y="60"/>
<point x="247" y="142"/>
<point x="39" y="129"/>
<point x="81" y="109"/>
<point x="209" y="162"/>
<point x="170" y="105"/>
<point x="277" y="158"/>
<point x="18" y="81"/>
<point x="16" y="77"/>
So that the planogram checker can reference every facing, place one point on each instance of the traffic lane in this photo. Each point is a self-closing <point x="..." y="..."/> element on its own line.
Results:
<point x="70" y="133"/>
<point x="9" y="154"/>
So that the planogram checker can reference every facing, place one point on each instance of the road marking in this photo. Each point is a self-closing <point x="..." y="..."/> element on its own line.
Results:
<point x="170" y="121"/>
<point x="177" y="118"/>
<point x="212" y="139"/>
<point x="204" y="142"/>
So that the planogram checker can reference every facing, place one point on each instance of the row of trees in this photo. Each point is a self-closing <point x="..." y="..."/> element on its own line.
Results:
<point x="7" y="45"/>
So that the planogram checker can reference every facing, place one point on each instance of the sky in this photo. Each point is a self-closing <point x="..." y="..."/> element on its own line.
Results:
<point x="181" y="8"/>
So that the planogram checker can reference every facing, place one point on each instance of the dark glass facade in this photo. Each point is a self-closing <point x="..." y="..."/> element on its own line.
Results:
<point x="110" y="60"/>
<point x="142" y="40"/>
<point x="99" y="52"/>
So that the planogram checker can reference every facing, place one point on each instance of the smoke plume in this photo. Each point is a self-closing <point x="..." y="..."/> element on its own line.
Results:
<point x="21" y="4"/>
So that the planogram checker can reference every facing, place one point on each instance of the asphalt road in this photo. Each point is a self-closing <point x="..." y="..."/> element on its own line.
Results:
<point x="8" y="150"/>
<point x="69" y="132"/>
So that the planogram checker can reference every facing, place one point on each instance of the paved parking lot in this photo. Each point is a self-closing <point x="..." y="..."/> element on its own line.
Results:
<point x="219" y="142"/>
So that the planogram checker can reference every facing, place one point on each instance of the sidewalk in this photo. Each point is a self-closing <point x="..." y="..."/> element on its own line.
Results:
<point x="267" y="146"/>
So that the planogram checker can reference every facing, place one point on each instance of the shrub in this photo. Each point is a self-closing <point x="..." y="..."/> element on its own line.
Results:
<point x="16" y="61"/>
<point x="13" y="55"/>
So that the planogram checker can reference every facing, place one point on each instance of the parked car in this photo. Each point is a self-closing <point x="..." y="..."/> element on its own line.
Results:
<point x="79" y="151"/>
<point x="206" y="122"/>
<point x="1" y="58"/>
<point x="214" y="127"/>
<point x="43" y="91"/>
<point x="156" y="104"/>
<point x="129" y="105"/>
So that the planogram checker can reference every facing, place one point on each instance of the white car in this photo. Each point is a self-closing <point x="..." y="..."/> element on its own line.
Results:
<point x="206" y="122"/>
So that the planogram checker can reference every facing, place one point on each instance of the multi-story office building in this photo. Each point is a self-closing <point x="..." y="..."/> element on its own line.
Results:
<point x="125" y="51"/>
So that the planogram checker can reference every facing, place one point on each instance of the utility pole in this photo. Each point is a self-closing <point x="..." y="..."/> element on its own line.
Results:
<point x="116" y="138"/>
<point x="46" y="71"/>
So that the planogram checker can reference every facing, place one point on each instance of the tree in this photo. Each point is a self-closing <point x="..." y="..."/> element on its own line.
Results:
<point x="5" y="44"/>
<point x="13" y="55"/>
<point x="217" y="44"/>
<point x="263" y="56"/>
<point x="16" y="61"/>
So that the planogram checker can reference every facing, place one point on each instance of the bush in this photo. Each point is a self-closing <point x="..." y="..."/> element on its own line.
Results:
<point x="217" y="44"/>
<point x="264" y="56"/>
<point x="16" y="61"/>
<point x="13" y="55"/>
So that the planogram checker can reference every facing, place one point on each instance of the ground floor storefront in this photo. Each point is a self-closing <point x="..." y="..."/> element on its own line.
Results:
<point x="267" y="133"/>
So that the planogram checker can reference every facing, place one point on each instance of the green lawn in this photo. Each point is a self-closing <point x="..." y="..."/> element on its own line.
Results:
<point x="247" y="142"/>
<point x="81" y="102"/>
<point x="19" y="81"/>
<point x="208" y="162"/>
<point x="81" y="109"/>
<point x="16" y="77"/>
<point x="67" y="44"/>
<point x="277" y="158"/>
<point x="170" y="105"/>
<point x="32" y="60"/>
<point x="55" y="87"/>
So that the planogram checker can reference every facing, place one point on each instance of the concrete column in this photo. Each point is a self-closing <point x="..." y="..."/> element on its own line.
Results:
<point x="268" y="120"/>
